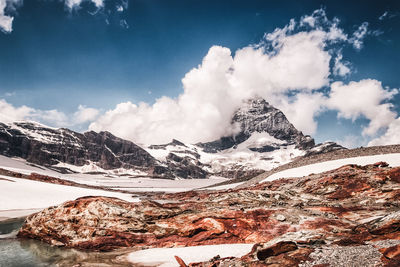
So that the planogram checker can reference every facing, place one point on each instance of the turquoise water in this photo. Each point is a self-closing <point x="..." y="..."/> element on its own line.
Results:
<point x="16" y="252"/>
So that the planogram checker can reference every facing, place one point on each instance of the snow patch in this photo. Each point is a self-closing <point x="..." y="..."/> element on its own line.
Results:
<point x="392" y="159"/>
<point x="23" y="194"/>
<point x="165" y="256"/>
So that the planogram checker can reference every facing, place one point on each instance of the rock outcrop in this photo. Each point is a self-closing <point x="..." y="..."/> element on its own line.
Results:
<point x="350" y="212"/>
<point x="48" y="146"/>
<point x="266" y="137"/>
<point x="258" y="116"/>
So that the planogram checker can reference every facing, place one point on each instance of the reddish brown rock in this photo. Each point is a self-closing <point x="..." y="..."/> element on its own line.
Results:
<point x="276" y="249"/>
<point x="340" y="211"/>
<point x="180" y="261"/>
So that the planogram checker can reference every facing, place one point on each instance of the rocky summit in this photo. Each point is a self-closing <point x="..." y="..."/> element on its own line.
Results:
<point x="266" y="139"/>
<point x="348" y="215"/>
<point x="258" y="116"/>
<point x="48" y="146"/>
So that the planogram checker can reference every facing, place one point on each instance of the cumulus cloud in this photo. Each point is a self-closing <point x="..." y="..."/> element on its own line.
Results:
<point x="358" y="36"/>
<point x="9" y="113"/>
<point x="217" y="87"/>
<point x="351" y="141"/>
<point x="302" y="109"/>
<point x="392" y="135"/>
<point x="53" y="117"/>
<point x="286" y="68"/>
<point x="7" y="20"/>
<point x="76" y="3"/>
<point x="340" y="67"/>
<point x="85" y="114"/>
<point x="291" y="67"/>
<point x="365" y="98"/>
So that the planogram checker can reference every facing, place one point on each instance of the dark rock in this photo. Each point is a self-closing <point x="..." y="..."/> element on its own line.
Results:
<point x="257" y="116"/>
<point x="264" y="149"/>
<point x="246" y="215"/>
<point x="47" y="146"/>
<point x="323" y="148"/>
<point x="276" y="249"/>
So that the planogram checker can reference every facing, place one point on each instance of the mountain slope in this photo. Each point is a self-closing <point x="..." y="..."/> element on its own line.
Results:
<point x="48" y="146"/>
<point x="266" y="139"/>
<point x="258" y="116"/>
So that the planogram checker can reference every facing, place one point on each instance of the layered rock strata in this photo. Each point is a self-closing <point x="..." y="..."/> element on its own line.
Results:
<point x="354" y="209"/>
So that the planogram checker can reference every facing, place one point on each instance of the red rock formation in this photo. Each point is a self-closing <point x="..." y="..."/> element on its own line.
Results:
<point x="347" y="210"/>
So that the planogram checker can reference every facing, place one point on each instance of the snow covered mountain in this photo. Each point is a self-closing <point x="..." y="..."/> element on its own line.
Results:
<point x="43" y="145"/>
<point x="257" y="117"/>
<point x="265" y="139"/>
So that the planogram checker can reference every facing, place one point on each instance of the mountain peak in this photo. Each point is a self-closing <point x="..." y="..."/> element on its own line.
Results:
<point x="256" y="115"/>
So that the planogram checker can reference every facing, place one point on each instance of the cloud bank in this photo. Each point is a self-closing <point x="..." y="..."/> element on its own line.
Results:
<point x="53" y="117"/>
<point x="297" y="68"/>
<point x="392" y="135"/>
<point x="293" y="67"/>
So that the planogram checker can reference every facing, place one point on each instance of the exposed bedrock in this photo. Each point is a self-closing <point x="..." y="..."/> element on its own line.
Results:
<point x="345" y="208"/>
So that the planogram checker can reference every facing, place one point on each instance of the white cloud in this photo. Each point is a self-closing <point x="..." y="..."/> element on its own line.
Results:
<point x="365" y="98"/>
<point x="392" y="135"/>
<point x="288" y="69"/>
<point x="9" y="113"/>
<point x="302" y="109"/>
<point x="53" y="117"/>
<point x="7" y="20"/>
<point x="85" y="114"/>
<point x="340" y="67"/>
<point x="10" y="6"/>
<point x="358" y="36"/>
<point x="288" y="62"/>
<point x="76" y="3"/>
<point x="383" y="16"/>
<point x="352" y="141"/>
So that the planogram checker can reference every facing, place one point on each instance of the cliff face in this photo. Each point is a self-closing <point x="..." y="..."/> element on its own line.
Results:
<point x="266" y="139"/>
<point x="47" y="146"/>
<point x="352" y="209"/>
<point x="258" y="116"/>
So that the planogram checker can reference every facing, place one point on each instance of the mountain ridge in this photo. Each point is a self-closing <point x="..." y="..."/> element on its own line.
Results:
<point x="266" y="139"/>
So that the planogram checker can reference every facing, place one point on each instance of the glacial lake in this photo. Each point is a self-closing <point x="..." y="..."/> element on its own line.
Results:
<point x="17" y="252"/>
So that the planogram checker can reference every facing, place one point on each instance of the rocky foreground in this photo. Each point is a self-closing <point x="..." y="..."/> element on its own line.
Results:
<point x="346" y="217"/>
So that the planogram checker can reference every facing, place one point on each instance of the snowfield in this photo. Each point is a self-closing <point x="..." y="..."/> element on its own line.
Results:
<point x="240" y="156"/>
<point x="21" y="197"/>
<point x="392" y="159"/>
<point x="110" y="180"/>
<point x="28" y="196"/>
<point x="165" y="256"/>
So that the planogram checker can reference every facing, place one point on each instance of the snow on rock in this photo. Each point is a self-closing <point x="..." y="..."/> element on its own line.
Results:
<point x="20" y="194"/>
<point x="165" y="257"/>
<point x="110" y="178"/>
<point x="287" y="219"/>
<point x="391" y="159"/>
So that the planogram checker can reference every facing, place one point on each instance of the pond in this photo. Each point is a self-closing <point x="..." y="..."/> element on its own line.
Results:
<point x="17" y="252"/>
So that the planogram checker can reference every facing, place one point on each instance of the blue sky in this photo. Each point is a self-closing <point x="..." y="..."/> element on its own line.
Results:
<point x="57" y="58"/>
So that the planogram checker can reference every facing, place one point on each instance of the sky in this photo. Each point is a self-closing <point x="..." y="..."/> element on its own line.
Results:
<point x="150" y="71"/>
